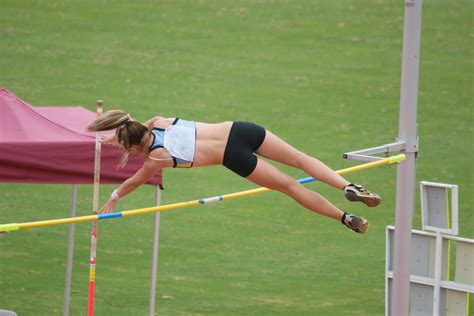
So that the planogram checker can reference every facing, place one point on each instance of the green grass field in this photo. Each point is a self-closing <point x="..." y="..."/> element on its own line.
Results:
<point x="324" y="75"/>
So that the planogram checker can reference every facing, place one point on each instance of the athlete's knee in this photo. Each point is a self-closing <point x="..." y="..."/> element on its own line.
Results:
<point x="286" y="185"/>
<point x="301" y="160"/>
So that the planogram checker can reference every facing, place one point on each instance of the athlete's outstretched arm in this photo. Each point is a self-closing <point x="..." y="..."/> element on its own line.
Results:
<point x="145" y="173"/>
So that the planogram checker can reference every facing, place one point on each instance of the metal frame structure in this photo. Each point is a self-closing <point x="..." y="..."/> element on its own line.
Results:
<point x="434" y="292"/>
<point x="70" y="252"/>
<point x="154" y="258"/>
<point x="407" y="143"/>
<point x="432" y="194"/>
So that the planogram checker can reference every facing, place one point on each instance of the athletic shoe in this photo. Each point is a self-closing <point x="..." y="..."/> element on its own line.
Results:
<point x="357" y="224"/>
<point x="356" y="192"/>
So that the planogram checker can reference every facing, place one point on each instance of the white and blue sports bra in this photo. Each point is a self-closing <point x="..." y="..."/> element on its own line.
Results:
<point x="179" y="139"/>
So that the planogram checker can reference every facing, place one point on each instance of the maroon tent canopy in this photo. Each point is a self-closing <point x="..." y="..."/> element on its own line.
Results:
<point x="51" y="145"/>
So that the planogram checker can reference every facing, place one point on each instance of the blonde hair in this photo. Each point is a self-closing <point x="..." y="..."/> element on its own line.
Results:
<point x="128" y="132"/>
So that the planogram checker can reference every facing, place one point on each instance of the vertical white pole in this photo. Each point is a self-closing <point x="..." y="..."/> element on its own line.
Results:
<point x="95" y="210"/>
<point x="70" y="252"/>
<point x="387" y="268"/>
<point x="154" y="261"/>
<point x="406" y="170"/>
<point x="437" y="276"/>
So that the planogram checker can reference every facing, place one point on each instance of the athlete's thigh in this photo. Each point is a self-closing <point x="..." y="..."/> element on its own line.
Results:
<point x="276" y="149"/>
<point x="267" y="175"/>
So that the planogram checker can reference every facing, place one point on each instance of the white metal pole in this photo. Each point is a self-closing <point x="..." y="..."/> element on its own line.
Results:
<point x="154" y="261"/>
<point x="95" y="210"/>
<point x="406" y="172"/>
<point x="387" y="268"/>
<point x="437" y="276"/>
<point x="70" y="252"/>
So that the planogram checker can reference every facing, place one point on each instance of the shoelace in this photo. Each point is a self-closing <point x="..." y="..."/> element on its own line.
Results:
<point x="361" y="189"/>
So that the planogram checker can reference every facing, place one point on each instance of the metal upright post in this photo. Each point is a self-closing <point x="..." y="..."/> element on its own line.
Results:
<point x="406" y="171"/>
<point x="437" y="274"/>
<point x="70" y="252"/>
<point x="154" y="261"/>
<point x="95" y="211"/>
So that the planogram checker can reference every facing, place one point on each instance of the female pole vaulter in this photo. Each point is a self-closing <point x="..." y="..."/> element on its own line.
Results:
<point x="239" y="146"/>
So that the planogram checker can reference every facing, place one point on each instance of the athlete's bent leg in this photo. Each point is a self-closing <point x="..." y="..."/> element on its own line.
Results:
<point x="276" y="149"/>
<point x="266" y="175"/>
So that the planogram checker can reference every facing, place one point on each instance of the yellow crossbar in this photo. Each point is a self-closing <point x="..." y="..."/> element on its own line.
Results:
<point x="168" y="207"/>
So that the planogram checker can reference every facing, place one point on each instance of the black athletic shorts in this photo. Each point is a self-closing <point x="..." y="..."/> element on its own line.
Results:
<point x="244" y="139"/>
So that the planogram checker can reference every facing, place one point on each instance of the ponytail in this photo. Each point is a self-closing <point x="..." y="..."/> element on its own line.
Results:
<point x="128" y="131"/>
<point x="109" y="120"/>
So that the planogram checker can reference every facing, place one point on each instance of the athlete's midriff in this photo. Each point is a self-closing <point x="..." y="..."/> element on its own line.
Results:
<point x="211" y="140"/>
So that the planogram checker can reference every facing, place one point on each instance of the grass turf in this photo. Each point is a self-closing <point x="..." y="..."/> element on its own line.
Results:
<point x="323" y="75"/>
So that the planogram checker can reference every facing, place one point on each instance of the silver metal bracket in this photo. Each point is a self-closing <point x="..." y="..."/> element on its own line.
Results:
<point x="397" y="147"/>
<point x="411" y="145"/>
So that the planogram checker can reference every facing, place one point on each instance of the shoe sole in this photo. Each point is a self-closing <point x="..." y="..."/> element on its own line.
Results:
<point x="370" y="201"/>
<point x="363" y="228"/>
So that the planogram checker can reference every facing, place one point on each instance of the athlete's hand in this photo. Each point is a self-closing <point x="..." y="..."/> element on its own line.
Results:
<point x="108" y="207"/>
